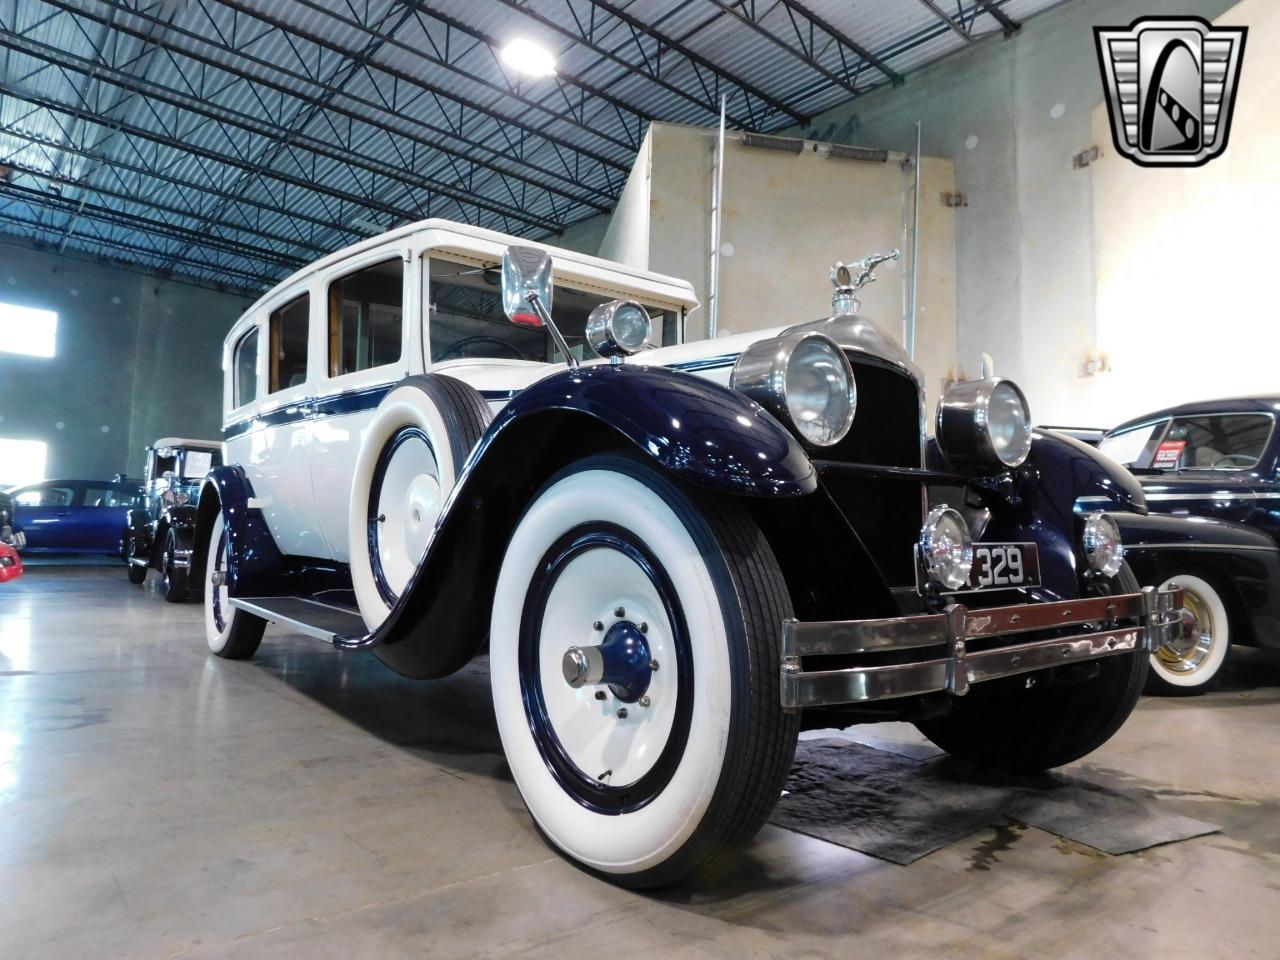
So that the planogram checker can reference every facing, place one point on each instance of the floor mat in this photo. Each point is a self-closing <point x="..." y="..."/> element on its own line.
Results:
<point x="900" y="809"/>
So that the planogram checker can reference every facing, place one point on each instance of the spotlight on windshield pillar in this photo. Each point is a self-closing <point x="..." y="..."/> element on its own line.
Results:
<point x="529" y="58"/>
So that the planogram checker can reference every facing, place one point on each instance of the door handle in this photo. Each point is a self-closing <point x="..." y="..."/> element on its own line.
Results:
<point x="65" y="513"/>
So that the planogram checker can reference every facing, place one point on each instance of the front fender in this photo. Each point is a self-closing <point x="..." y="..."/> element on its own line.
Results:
<point x="181" y="519"/>
<point x="254" y="560"/>
<point x="706" y="434"/>
<point x="1039" y="502"/>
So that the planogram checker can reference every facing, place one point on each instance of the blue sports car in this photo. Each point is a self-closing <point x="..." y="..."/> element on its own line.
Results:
<point x="1215" y="462"/>
<point x="74" y="516"/>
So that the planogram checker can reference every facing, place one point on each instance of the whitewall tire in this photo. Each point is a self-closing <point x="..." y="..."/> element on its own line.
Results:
<point x="679" y="754"/>
<point x="1193" y="664"/>
<point x="408" y="463"/>
<point x="231" y="633"/>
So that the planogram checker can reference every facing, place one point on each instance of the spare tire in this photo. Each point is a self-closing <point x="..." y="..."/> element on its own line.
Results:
<point x="409" y="461"/>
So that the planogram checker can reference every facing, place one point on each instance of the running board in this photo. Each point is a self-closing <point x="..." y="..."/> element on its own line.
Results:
<point x="309" y="617"/>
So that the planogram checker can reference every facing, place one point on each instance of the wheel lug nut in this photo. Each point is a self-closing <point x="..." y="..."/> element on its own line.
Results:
<point x="622" y="713"/>
<point x="620" y="612"/>
<point x="644" y="701"/>
<point x="599" y="694"/>
<point x="653" y="664"/>
<point x="597" y="625"/>
<point x="644" y="627"/>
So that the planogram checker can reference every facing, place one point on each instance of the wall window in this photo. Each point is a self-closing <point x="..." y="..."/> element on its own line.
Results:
<point x="365" y="318"/>
<point x="22" y="461"/>
<point x="245" y="381"/>
<point x="27" y="330"/>
<point x="289" y="327"/>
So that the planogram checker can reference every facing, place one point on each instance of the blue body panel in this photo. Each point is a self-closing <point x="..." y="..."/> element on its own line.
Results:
<point x="78" y="526"/>
<point x="1038" y="505"/>
<point x="702" y="432"/>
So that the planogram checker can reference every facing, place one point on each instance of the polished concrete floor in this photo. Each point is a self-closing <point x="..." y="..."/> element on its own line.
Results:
<point x="157" y="802"/>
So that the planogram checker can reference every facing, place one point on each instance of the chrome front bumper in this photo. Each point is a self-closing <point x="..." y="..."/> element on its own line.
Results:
<point x="1107" y="625"/>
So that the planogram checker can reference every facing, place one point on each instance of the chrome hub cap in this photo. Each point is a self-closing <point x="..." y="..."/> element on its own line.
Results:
<point x="1186" y="650"/>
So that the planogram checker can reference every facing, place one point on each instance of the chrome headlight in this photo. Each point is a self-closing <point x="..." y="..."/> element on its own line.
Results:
<point x="804" y="380"/>
<point x="984" y="425"/>
<point x="181" y="497"/>
<point x="946" y="548"/>
<point x="618" y="328"/>
<point x="1100" y="542"/>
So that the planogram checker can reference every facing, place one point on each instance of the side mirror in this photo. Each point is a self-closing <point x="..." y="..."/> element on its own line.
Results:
<point x="526" y="275"/>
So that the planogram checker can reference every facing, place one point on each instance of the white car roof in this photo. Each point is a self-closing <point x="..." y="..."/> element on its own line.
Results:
<point x="465" y="237"/>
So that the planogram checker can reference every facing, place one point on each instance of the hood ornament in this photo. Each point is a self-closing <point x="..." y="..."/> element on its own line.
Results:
<point x="848" y="278"/>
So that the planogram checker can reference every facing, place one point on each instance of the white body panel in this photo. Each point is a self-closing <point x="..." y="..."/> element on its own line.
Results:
<point x="301" y="465"/>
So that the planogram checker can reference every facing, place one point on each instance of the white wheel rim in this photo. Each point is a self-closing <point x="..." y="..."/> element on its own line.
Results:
<point x="410" y="499"/>
<point x="592" y="589"/>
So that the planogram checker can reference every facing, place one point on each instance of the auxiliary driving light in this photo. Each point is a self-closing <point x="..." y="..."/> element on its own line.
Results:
<point x="984" y="425"/>
<point x="1101" y="544"/>
<point x="946" y="547"/>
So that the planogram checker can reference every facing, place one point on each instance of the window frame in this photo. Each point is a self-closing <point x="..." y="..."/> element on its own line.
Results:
<point x="279" y="304"/>
<point x="384" y="372"/>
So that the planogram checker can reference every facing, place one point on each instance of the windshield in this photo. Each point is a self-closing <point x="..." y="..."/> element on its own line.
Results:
<point x="467" y="318"/>
<point x="1224" y="441"/>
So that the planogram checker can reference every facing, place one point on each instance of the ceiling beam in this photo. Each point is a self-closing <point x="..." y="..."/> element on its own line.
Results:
<point x="941" y="14"/>
<point x="1007" y="23"/>
<point x="708" y="101"/>
<point x="841" y="38"/>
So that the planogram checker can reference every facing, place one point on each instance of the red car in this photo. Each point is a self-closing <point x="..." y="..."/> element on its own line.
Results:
<point x="10" y="563"/>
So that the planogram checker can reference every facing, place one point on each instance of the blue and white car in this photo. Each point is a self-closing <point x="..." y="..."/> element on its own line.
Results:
<point x="442" y="440"/>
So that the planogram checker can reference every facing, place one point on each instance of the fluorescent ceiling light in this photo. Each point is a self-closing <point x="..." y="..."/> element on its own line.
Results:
<point x="529" y="58"/>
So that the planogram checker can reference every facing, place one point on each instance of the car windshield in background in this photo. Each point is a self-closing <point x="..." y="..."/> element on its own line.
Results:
<point x="1225" y="441"/>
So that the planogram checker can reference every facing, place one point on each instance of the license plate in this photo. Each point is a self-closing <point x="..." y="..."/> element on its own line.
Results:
<point x="1001" y="566"/>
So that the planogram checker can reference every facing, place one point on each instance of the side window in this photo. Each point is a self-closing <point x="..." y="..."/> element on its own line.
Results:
<point x="289" y="327"/>
<point x="365" y="310"/>
<point x="107" y="497"/>
<point x="245" y="367"/>
<point x="46" y="497"/>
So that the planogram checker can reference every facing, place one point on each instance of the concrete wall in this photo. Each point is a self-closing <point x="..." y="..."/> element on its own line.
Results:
<point x="1011" y="114"/>
<point x="787" y="218"/>
<point x="1185" y="257"/>
<point x="137" y="358"/>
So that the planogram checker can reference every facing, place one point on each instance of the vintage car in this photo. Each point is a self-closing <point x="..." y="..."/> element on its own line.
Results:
<point x="675" y="555"/>
<point x="158" y="535"/>
<point x="73" y="516"/>
<point x="1216" y="463"/>
<point x="10" y="563"/>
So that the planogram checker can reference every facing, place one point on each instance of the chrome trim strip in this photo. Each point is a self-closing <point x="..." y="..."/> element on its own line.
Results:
<point x="1131" y="548"/>
<point x="704" y="363"/>
<point x="1154" y="615"/>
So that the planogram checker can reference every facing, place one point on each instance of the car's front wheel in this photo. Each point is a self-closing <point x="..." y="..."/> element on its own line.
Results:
<point x="635" y="667"/>
<point x="1033" y="722"/>
<point x="175" y="577"/>
<point x="230" y="632"/>
<point x="1192" y="663"/>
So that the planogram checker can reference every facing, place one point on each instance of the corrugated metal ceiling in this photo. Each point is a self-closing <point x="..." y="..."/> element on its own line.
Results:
<point x="230" y="141"/>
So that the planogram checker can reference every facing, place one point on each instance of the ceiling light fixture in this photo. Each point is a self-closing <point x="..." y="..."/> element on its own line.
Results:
<point x="532" y="59"/>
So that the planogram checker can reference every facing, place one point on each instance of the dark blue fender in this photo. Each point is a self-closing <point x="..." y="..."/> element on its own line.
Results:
<point x="707" y="434"/>
<point x="704" y="433"/>
<point x="138" y="527"/>
<point x="1037" y="502"/>
<point x="181" y="519"/>
<point x="256" y="567"/>
<point x="1241" y="562"/>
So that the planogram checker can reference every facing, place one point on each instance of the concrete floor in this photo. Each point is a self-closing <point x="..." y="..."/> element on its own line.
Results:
<point x="158" y="802"/>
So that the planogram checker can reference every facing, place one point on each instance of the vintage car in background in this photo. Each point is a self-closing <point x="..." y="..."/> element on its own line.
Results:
<point x="10" y="563"/>
<point x="677" y="555"/>
<point x="73" y="516"/>
<point x="1216" y="463"/>
<point x="159" y="533"/>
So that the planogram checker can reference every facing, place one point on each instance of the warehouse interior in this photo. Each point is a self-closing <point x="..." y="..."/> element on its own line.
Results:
<point x="167" y="167"/>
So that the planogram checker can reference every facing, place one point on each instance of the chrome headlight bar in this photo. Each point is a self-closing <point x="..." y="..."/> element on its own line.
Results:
<point x="984" y="425"/>
<point x="804" y="380"/>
